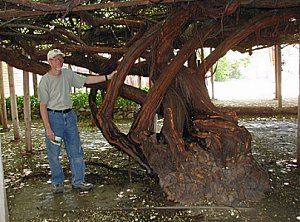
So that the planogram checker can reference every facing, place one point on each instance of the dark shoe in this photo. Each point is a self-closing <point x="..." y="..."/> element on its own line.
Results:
<point x="83" y="186"/>
<point x="58" y="188"/>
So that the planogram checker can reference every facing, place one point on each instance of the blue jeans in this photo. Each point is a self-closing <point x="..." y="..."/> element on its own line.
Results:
<point x="64" y="125"/>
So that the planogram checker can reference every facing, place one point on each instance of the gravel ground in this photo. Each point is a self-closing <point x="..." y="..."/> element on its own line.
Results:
<point x="124" y="192"/>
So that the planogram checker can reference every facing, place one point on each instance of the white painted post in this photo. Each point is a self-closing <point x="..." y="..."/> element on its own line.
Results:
<point x="3" y="201"/>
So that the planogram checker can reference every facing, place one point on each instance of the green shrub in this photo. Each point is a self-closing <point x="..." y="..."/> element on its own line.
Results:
<point x="80" y="100"/>
<point x="227" y="70"/>
<point x="222" y="71"/>
<point x="34" y="102"/>
<point x="121" y="102"/>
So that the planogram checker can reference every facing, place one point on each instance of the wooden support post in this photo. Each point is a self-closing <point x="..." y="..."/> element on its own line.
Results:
<point x="139" y="78"/>
<point x="2" y="100"/>
<point x="27" y="112"/>
<point x="212" y="80"/>
<point x="35" y="84"/>
<point x="13" y="103"/>
<point x="298" y="128"/>
<point x="74" y="89"/>
<point x="140" y="82"/>
<point x="278" y="74"/>
<point x="274" y="63"/>
<point x="3" y="200"/>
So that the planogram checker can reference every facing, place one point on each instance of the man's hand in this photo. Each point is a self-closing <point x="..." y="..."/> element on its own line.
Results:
<point x="50" y="134"/>
<point x="96" y="79"/>
<point x="111" y="75"/>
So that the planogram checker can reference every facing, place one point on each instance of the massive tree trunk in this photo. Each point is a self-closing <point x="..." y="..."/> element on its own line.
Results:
<point x="201" y="154"/>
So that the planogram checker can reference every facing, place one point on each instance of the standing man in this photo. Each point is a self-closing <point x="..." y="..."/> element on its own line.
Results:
<point x="60" y="120"/>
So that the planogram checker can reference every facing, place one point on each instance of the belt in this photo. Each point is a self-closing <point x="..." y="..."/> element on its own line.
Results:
<point x="59" y="111"/>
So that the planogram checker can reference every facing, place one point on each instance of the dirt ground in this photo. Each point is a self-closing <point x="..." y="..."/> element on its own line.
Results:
<point x="260" y="107"/>
<point x="124" y="192"/>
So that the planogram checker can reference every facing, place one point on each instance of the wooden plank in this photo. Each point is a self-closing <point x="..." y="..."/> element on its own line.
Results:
<point x="3" y="200"/>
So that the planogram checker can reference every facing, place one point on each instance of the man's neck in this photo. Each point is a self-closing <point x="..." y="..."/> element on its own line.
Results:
<point x="54" y="72"/>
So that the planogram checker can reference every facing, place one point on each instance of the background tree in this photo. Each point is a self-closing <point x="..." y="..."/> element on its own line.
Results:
<point x="200" y="154"/>
<point x="226" y="69"/>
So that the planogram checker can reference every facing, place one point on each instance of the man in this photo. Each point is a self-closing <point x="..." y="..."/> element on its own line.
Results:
<point x="60" y="120"/>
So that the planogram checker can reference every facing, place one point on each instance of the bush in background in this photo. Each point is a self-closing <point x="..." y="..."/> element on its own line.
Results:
<point x="80" y="100"/>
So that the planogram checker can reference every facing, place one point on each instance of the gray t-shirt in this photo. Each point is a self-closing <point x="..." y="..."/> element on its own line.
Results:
<point x="54" y="90"/>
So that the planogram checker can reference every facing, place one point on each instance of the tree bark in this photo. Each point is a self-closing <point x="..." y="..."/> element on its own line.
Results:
<point x="200" y="154"/>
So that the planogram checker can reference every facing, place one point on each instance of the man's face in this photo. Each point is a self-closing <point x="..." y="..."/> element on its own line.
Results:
<point x="56" y="62"/>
